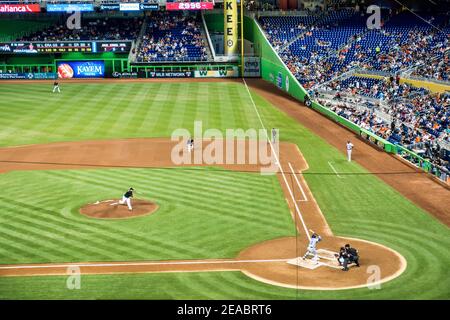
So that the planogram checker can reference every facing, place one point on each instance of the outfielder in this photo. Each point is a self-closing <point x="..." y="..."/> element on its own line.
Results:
<point x="315" y="238"/>
<point x="56" y="87"/>
<point x="349" y="150"/>
<point x="126" y="198"/>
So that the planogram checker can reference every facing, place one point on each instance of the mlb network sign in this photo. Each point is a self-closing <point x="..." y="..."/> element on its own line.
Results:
<point x="19" y="8"/>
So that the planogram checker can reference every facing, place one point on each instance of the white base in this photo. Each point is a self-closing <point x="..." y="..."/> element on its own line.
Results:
<point x="326" y="258"/>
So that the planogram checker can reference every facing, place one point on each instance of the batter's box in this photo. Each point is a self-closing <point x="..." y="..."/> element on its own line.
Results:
<point x="326" y="254"/>
<point x="326" y="258"/>
<point x="308" y="263"/>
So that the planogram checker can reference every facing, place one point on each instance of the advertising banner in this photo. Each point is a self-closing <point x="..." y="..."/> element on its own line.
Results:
<point x="17" y="47"/>
<point x="379" y="142"/>
<point x="28" y="76"/>
<point x="252" y="67"/>
<point x="19" y="8"/>
<point x="216" y="73"/>
<point x="231" y="27"/>
<point x="109" y="6"/>
<point x="189" y="5"/>
<point x="124" y="75"/>
<point x="129" y="6"/>
<point x="81" y="69"/>
<point x="170" y="74"/>
<point x="149" y="6"/>
<point x="69" y="7"/>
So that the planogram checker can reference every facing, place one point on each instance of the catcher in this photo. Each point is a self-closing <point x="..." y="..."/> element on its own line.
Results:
<point x="346" y="256"/>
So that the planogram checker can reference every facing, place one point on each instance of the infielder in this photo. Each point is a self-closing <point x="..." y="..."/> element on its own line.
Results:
<point x="315" y="238"/>
<point x="274" y="135"/>
<point x="349" y="150"/>
<point x="126" y="198"/>
<point x="190" y="145"/>
<point x="56" y="87"/>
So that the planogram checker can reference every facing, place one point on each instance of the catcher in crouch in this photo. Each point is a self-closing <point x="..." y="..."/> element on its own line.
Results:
<point x="126" y="198"/>
<point x="315" y="238"/>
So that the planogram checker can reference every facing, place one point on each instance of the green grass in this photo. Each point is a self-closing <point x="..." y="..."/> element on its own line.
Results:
<point x="40" y="210"/>
<point x="32" y="114"/>
<point x="359" y="205"/>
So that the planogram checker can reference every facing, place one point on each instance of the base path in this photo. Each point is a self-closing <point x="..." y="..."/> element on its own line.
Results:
<point x="266" y="261"/>
<point x="409" y="181"/>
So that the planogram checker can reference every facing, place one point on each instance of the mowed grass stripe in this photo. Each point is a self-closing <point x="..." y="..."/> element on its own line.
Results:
<point x="258" y="207"/>
<point x="116" y="246"/>
<point x="145" y="116"/>
<point x="129" y="108"/>
<point x="161" y="240"/>
<point x="228" y="183"/>
<point x="73" y="240"/>
<point x="82" y="120"/>
<point x="118" y="240"/>
<point x="180" y="104"/>
<point x="100" y="229"/>
<point x="260" y="215"/>
<point x="49" y="119"/>
<point x="117" y="107"/>
<point x="91" y="122"/>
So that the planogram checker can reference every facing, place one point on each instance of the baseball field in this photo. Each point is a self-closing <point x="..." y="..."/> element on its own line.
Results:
<point x="218" y="232"/>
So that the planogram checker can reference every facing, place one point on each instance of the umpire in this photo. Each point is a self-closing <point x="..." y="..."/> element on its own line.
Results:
<point x="343" y="258"/>
<point x="353" y="255"/>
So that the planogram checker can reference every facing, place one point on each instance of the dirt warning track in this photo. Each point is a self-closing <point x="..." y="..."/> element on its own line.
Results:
<point x="266" y="261"/>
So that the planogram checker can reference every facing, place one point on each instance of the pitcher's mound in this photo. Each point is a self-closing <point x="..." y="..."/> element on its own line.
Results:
<point x="111" y="209"/>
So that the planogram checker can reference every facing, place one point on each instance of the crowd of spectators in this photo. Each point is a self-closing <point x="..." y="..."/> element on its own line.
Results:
<point x="90" y="29"/>
<point x="339" y="41"/>
<point x="417" y="116"/>
<point x="322" y="50"/>
<point x="434" y="68"/>
<point x="172" y="37"/>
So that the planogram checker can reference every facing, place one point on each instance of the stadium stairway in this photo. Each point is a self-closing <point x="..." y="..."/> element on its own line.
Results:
<point x="205" y="39"/>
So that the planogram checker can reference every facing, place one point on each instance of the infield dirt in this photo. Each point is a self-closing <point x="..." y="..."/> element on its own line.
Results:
<point x="112" y="209"/>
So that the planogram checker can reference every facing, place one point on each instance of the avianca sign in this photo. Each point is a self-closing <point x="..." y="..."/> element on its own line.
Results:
<point x="19" y="8"/>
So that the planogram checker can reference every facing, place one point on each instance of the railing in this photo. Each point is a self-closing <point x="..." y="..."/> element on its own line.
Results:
<point x="137" y="43"/>
<point x="208" y="38"/>
<point x="443" y="82"/>
<point x="181" y="68"/>
<point x="359" y="105"/>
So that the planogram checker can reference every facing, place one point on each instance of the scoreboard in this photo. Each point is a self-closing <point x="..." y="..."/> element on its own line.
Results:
<point x="51" y="47"/>
<point x="65" y="46"/>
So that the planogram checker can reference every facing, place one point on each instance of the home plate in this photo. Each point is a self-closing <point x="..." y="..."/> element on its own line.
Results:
<point x="326" y="254"/>
<point x="308" y="263"/>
